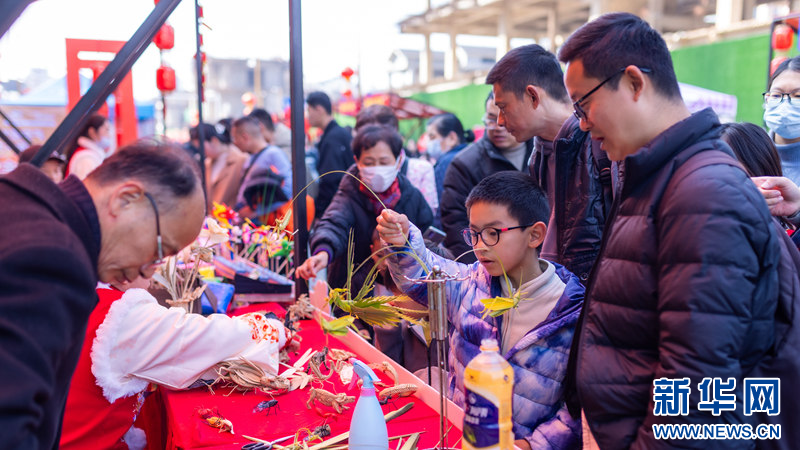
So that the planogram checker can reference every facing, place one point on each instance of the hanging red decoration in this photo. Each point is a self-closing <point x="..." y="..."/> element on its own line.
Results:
<point x="782" y="37"/>
<point x="347" y="73"/>
<point x="165" y="79"/>
<point x="348" y="93"/>
<point x="776" y="61"/>
<point x="165" y="38"/>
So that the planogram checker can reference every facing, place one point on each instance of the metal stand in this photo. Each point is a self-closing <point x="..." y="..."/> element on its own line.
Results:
<point x="437" y="318"/>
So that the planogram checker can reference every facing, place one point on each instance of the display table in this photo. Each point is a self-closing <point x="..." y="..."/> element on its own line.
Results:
<point x="182" y="428"/>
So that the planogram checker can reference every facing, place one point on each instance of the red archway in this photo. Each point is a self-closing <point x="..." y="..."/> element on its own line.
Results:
<point x="124" y="108"/>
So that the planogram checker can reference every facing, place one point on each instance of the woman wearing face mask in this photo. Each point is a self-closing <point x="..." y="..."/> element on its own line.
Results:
<point x="446" y="137"/>
<point x="782" y="115"/>
<point x="91" y="148"/>
<point x="354" y="209"/>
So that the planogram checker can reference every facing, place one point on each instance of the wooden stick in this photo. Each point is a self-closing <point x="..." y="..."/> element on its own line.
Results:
<point x="411" y="443"/>
<point x="405" y="435"/>
<point x="446" y="433"/>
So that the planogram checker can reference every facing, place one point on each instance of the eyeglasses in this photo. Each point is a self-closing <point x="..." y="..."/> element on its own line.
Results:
<point x="490" y="123"/>
<point x="579" y="112"/>
<point x="160" y="259"/>
<point x="772" y="99"/>
<point x="489" y="235"/>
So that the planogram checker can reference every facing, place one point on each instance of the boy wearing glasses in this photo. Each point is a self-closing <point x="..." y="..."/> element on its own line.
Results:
<point x="507" y="215"/>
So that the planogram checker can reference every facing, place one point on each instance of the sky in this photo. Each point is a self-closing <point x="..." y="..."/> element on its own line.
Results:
<point x="336" y="34"/>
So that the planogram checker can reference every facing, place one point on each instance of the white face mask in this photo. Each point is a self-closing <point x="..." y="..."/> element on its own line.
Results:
<point x="378" y="178"/>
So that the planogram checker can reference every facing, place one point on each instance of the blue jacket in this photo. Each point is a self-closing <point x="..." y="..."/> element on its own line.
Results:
<point x="539" y="359"/>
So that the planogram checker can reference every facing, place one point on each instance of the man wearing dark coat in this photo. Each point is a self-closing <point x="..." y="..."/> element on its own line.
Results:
<point x="56" y="243"/>
<point x="685" y="288"/>
<point x="333" y="149"/>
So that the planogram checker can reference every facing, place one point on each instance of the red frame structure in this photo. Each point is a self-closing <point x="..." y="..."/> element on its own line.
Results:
<point x="124" y="108"/>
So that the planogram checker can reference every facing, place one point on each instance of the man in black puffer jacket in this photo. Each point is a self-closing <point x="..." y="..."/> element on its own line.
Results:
<point x="686" y="283"/>
<point x="495" y="152"/>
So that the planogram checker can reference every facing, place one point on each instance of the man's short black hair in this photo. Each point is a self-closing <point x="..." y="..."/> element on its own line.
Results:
<point x="515" y="190"/>
<point x="614" y="41"/>
<point x="369" y="135"/>
<point x="319" y="98"/>
<point x="165" y="168"/>
<point x="263" y="116"/>
<point x="249" y="125"/>
<point x="529" y="64"/>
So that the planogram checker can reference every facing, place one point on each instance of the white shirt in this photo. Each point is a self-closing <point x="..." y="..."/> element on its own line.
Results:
<point x="539" y="296"/>
<point x="140" y="342"/>
<point x="86" y="160"/>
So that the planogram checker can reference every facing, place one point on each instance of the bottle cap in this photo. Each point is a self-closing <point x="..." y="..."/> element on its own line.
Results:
<point x="489" y="345"/>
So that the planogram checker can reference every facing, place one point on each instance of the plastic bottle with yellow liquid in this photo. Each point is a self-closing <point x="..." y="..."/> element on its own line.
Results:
<point x="488" y="388"/>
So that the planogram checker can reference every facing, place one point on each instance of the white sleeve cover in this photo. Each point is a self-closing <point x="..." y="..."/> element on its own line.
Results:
<point x="140" y="342"/>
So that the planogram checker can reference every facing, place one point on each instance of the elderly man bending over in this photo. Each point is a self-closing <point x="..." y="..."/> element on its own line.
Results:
<point x="143" y="203"/>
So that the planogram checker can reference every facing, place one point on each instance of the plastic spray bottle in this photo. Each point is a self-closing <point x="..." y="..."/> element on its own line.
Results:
<point x="488" y="389"/>
<point x="367" y="427"/>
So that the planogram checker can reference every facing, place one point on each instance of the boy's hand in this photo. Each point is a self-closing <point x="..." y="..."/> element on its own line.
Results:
<point x="393" y="227"/>
<point x="312" y="265"/>
<point x="781" y="194"/>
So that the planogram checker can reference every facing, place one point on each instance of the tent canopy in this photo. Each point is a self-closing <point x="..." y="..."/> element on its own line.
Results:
<point x="404" y="108"/>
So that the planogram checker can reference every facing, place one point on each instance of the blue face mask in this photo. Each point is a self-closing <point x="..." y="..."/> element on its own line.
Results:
<point x="434" y="149"/>
<point x="784" y="120"/>
<point x="105" y="142"/>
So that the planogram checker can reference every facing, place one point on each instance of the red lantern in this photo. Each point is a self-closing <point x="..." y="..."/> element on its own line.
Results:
<point x="347" y="73"/>
<point x="165" y="38"/>
<point x="348" y="94"/>
<point x="775" y="63"/>
<point x="165" y="79"/>
<point x="782" y="37"/>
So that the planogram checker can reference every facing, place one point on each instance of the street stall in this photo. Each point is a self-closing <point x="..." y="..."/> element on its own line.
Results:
<point x="273" y="414"/>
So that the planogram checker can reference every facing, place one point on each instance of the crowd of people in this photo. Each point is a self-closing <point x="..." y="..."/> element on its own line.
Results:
<point x="644" y="247"/>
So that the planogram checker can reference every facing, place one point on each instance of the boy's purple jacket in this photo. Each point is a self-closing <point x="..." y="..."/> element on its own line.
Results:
<point x="539" y="359"/>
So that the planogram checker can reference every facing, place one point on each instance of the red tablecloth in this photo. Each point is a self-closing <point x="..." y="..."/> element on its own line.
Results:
<point x="184" y="429"/>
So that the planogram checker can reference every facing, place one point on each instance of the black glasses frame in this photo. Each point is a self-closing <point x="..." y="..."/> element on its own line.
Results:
<point x="773" y="95"/>
<point x="576" y="106"/>
<point x="471" y="237"/>
<point x="160" y="259"/>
